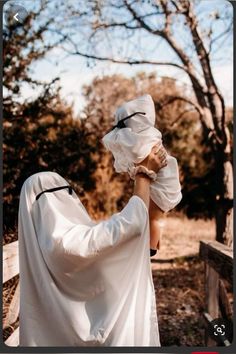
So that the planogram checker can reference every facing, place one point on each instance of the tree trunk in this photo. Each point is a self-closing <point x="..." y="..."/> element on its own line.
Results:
<point x="224" y="194"/>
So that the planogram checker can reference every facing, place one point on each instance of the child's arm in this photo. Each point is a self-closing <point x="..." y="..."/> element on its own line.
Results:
<point x="156" y="216"/>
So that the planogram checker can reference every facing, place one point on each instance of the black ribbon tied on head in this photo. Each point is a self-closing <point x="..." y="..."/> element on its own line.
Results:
<point x="121" y="123"/>
<point x="54" y="190"/>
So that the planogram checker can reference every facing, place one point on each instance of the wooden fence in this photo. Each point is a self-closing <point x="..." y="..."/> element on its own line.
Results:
<point x="218" y="260"/>
<point x="10" y="270"/>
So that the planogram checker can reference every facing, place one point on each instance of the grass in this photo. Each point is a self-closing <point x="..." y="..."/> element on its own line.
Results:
<point x="181" y="236"/>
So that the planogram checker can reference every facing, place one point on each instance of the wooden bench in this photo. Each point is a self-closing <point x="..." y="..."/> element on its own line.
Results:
<point x="10" y="270"/>
<point x="218" y="260"/>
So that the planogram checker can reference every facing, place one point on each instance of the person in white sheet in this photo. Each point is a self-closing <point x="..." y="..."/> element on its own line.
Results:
<point x="85" y="283"/>
<point x="130" y="141"/>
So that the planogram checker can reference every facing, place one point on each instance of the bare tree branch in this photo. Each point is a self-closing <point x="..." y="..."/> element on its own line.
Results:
<point x="218" y="113"/>
<point x="167" y="13"/>
<point x="181" y="116"/>
<point x="128" y="61"/>
<point x="142" y="23"/>
<point x="171" y="99"/>
<point x="222" y="34"/>
<point x="119" y="61"/>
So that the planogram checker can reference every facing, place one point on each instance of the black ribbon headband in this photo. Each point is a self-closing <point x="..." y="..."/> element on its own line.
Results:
<point x="54" y="190"/>
<point x="121" y="123"/>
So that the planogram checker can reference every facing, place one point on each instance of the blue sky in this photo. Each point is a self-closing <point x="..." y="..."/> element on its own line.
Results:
<point x="74" y="71"/>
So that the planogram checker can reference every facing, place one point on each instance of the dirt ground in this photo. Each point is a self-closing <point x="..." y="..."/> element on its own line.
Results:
<point x="178" y="276"/>
<point x="180" y="302"/>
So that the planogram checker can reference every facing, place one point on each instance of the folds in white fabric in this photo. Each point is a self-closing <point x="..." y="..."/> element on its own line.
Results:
<point x="83" y="283"/>
<point x="133" y="144"/>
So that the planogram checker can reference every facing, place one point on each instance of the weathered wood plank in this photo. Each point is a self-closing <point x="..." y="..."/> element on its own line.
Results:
<point x="13" y="340"/>
<point x="219" y="257"/>
<point x="10" y="261"/>
<point x="225" y="306"/>
<point x="212" y="291"/>
<point x="13" y="310"/>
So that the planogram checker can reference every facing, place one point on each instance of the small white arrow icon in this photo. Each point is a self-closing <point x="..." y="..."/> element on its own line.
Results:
<point x="15" y="17"/>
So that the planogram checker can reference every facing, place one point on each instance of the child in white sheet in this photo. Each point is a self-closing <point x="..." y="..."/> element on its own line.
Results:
<point x="130" y="142"/>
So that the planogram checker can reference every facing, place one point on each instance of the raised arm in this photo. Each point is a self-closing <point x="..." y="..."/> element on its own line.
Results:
<point x="86" y="242"/>
<point x="73" y="241"/>
<point x="154" y="161"/>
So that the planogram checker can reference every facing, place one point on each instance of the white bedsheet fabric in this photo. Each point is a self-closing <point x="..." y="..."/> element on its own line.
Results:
<point x="132" y="144"/>
<point x="83" y="283"/>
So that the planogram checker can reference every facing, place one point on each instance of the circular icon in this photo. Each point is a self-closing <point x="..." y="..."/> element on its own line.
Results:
<point x="15" y="15"/>
<point x="221" y="330"/>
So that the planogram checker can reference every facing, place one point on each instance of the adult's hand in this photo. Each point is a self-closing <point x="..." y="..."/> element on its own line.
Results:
<point x="157" y="158"/>
<point x="154" y="161"/>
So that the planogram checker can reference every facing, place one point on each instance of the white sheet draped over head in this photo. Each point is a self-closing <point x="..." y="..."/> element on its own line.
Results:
<point x="131" y="144"/>
<point x="83" y="283"/>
